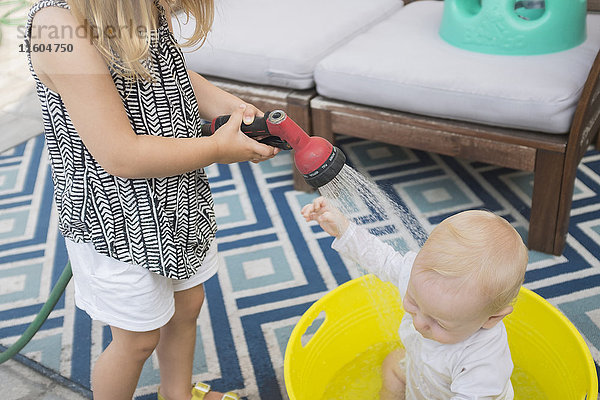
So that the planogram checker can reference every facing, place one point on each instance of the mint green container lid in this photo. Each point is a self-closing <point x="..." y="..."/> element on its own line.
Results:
<point x="512" y="27"/>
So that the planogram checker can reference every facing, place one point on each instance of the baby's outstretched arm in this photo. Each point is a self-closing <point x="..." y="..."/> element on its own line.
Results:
<point x="330" y="218"/>
<point x="358" y="244"/>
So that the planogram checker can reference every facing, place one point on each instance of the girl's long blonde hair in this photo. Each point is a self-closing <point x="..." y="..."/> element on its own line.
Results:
<point x="122" y="30"/>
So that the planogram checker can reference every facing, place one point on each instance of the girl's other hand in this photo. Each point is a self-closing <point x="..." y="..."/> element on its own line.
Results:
<point x="234" y="146"/>
<point x="330" y="218"/>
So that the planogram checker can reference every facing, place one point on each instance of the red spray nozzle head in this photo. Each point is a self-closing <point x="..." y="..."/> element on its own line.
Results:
<point x="317" y="159"/>
<point x="328" y="170"/>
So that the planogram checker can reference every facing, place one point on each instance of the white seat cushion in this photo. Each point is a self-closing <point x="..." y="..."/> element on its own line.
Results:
<point x="402" y="64"/>
<point x="278" y="42"/>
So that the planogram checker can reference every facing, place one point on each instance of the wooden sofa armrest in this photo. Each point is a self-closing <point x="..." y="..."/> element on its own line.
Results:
<point x="586" y="121"/>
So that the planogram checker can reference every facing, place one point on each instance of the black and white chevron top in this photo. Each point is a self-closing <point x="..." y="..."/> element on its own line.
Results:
<point x="163" y="224"/>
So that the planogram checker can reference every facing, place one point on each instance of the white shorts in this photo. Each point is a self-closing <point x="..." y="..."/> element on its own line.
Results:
<point x="128" y="296"/>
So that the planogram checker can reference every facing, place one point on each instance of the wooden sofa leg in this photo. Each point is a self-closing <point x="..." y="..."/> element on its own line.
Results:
<point x="321" y="120"/>
<point x="544" y="218"/>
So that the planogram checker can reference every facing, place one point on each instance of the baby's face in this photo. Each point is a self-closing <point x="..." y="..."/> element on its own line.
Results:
<point x="439" y="311"/>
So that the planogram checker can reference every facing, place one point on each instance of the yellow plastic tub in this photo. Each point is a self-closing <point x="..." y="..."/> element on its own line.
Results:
<point x="360" y="325"/>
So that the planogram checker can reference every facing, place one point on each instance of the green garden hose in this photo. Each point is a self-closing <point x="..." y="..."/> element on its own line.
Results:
<point x="32" y="329"/>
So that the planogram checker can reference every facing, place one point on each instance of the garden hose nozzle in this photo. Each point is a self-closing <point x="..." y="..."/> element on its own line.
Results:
<point x="317" y="159"/>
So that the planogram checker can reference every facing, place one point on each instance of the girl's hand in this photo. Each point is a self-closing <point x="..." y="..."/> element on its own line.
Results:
<point x="250" y="113"/>
<point x="330" y="218"/>
<point x="234" y="146"/>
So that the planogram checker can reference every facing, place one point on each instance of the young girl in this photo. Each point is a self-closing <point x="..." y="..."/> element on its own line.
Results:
<point x="122" y="122"/>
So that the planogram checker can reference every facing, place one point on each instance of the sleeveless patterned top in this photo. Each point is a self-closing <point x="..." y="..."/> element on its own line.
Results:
<point x="163" y="224"/>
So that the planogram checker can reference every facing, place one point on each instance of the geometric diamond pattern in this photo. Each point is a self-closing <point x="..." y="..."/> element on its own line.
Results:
<point x="8" y="179"/>
<point x="274" y="264"/>
<point x="583" y="312"/>
<point x="20" y="283"/>
<point x="13" y="224"/>
<point x="433" y="194"/>
<point x="261" y="268"/>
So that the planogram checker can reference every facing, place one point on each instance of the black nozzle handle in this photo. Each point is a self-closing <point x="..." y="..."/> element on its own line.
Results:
<point x="258" y="127"/>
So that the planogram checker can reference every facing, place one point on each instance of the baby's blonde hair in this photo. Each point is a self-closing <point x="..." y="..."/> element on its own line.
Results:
<point x="121" y="29"/>
<point x="482" y="248"/>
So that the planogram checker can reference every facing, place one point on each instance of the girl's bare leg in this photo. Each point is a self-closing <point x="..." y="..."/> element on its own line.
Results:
<point x="394" y="376"/>
<point x="176" y="347"/>
<point x="118" y="368"/>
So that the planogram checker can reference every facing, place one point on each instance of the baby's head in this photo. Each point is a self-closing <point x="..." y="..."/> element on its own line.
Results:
<point x="466" y="276"/>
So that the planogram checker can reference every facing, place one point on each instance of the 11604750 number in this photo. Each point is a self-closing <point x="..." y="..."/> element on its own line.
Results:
<point x="51" y="48"/>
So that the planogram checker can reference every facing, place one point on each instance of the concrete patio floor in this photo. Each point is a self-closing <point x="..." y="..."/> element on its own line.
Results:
<point x="20" y="382"/>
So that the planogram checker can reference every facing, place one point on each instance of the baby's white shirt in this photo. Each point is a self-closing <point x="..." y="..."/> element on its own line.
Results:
<point x="477" y="368"/>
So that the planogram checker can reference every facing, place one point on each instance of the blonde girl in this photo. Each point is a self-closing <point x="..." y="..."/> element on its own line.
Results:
<point x="122" y="121"/>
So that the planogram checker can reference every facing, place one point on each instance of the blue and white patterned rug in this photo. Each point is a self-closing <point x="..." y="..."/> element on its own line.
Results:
<point x="276" y="265"/>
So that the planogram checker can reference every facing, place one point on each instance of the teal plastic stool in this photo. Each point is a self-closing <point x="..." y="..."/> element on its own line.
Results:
<point x="511" y="27"/>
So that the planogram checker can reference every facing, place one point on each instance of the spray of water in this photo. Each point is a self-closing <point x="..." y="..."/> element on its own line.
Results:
<point x="362" y="201"/>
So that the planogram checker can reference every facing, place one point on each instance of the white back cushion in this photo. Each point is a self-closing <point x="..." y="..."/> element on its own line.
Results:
<point x="279" y="42"/>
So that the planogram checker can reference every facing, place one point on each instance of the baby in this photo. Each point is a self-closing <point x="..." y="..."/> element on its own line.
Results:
<point x="456" y="290"/>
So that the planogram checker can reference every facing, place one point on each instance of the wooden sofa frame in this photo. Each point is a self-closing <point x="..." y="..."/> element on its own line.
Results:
<point x="552" y="158"/>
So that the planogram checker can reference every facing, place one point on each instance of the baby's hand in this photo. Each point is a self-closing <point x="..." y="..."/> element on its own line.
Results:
<point x="330" y="218"/>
